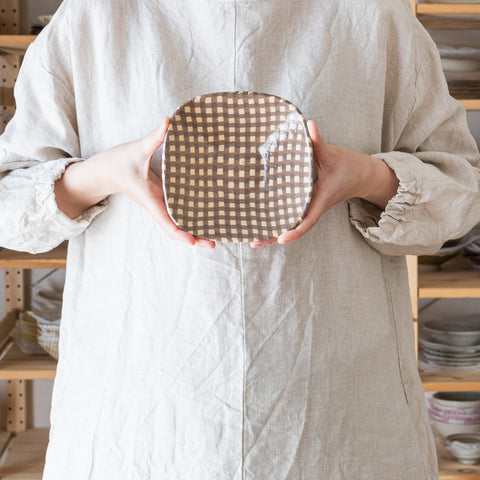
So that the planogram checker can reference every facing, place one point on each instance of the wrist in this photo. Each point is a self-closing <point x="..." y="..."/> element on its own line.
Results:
<point x="81" y="186"/>
<point x="380" y="182"/>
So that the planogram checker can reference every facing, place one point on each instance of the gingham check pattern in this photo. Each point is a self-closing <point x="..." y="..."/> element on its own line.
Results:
<point x="237" y="166"/>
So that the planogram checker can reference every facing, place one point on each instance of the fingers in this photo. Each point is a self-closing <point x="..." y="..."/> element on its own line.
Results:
<point x="261" y="243"/>
<point x="319" y="202"/>
<point x="318" y="206"/>
<point x="155" y="204"/>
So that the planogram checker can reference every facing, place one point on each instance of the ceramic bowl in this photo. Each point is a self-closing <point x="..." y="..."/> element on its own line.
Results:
<point x="464" y="447"/>
<point x="462" y="331"/>
<point x="460" y="65"/>
<point x="455" y="412"/>
<point x="456" y="399"/>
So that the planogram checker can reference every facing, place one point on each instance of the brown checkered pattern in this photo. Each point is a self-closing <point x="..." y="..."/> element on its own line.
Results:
<point x="237" y="166"/>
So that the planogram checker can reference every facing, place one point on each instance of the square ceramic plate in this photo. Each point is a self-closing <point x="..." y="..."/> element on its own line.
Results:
<point x="237" y="166"/>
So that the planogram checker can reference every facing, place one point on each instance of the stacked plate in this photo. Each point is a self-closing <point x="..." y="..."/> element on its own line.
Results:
<point x="453" y="343"/>
<point x="455" y="412"/>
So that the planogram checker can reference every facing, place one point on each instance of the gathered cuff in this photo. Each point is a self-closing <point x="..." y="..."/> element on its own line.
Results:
<point x="396" y="227"/>
<point x="41" y="225"/>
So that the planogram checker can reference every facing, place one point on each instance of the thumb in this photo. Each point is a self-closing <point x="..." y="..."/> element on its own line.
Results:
<point x="155" y="138"/>
<point x="320" y="146"/>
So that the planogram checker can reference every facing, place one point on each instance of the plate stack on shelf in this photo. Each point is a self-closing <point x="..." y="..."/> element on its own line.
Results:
<point x="451" y="343"/>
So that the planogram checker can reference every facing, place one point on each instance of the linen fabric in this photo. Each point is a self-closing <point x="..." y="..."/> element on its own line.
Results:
<point x="285" y="362"/>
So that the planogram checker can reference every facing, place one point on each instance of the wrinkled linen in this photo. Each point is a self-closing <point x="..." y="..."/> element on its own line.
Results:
<point x="286" y="362"/>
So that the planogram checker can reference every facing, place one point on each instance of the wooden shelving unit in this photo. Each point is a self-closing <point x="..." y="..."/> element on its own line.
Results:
<point x="24" y="448"/>
<point x="447" y="284"/>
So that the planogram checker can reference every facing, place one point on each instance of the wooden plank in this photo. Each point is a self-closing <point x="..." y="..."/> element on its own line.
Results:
<point x="56" y="258"/>
<point x="450" y="22"/>
<point x="471" y="104"/>
<point x="6" y="96"/>
<point x="16" y="405"/>
<point x="16" y="40"/>
<point x="16" y="365"/>
<point x="450" y="381"/>
<point x="412" y="266"/>
<point x="449" y="8"/>
<point x="25" y="458"/>
<point x="6" y="327"/>
<point x="444" y="284"/>
<point x="4" y="439"/>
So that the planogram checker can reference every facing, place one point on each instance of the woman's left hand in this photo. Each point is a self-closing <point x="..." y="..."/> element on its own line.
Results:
<point x="342" y="174"/>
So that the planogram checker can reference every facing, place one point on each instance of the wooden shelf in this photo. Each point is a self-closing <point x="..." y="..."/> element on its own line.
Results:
<point x="470" y="104"/>
<point x="448" y="8"/>
<point x="456" y="22"/>
<point x="18" y="366"/>
<point x="56" y="258"/>
<point x="448" y="381"/>
<point x="16" y="40"/>
<point x="444" y="284"/>
<point x="15" y="44"/>
<point x="25" y="459"/>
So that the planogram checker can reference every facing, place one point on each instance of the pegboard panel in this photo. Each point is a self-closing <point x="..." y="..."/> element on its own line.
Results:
<point x="14" y="290"/>
<point x="9" y="17"/>
<point x="16" y="405"/>
<point x="14" y="279"/>
<point x="9" y="64"/>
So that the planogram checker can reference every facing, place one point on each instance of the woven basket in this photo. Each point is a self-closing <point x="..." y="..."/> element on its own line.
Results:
<point x="48" y="335"/>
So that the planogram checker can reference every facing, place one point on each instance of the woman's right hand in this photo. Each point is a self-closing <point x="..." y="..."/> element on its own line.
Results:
<point x="121" y="169"/>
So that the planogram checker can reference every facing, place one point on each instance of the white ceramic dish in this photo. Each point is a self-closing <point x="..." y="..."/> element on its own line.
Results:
<point x="460" y="65"/>
<point x="464" y="447"/>
<point x="462" y="331"/>
<point x="446" y="429"/>
<point x="442" y="348"/>
<point x="456" y="399"/>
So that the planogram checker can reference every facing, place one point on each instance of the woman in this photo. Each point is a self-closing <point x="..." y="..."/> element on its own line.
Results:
<point x="291" y="361"/>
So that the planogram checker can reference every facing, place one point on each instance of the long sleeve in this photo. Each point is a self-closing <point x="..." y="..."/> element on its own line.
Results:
<point x="437" y="163"/>
<point x="38" y="144"/>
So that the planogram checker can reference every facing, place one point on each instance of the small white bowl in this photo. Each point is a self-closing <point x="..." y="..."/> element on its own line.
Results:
<point x="464" y="447"/>
<point x="446" y="429"/>
<point x="456" y="399"/>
